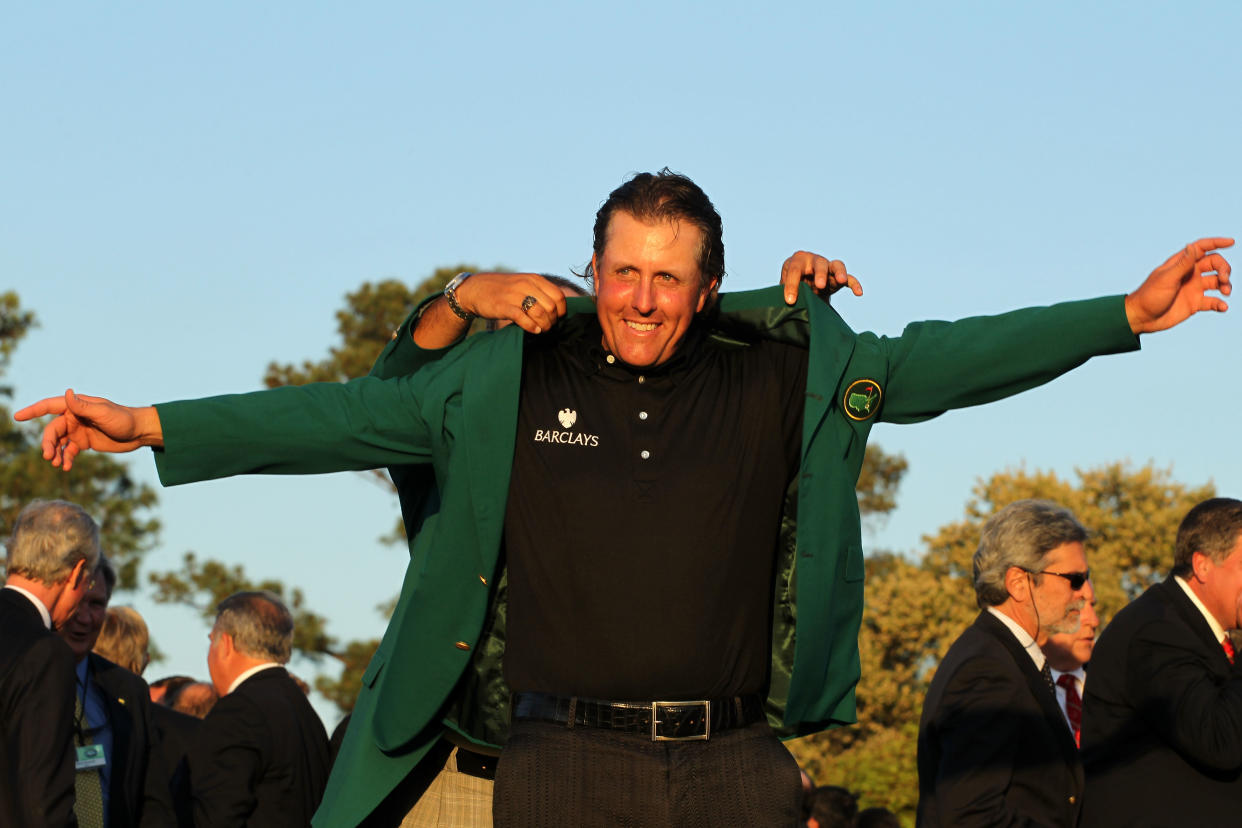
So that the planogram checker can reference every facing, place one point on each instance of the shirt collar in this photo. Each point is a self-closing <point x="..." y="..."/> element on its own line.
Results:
<point x="1080" y="674"/>
<point x="585" y="337"/>
<point x="47" y="616"/>
<point x="267" y="665"/>
<point x="1024" y="638"/>
<point x="1217" y="629"/>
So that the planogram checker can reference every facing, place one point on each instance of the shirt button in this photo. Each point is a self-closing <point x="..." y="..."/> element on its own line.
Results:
<point x="644" y="454"/>
<point x="610" y="359"/>
<point x="642" y="415"/>
<point x="461" y="645"/>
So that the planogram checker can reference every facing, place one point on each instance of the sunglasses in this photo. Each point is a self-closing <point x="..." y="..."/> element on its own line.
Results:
<point x="1076" y="579"/>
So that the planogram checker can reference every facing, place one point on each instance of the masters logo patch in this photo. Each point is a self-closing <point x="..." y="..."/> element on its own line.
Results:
<point x="862" y="399"/>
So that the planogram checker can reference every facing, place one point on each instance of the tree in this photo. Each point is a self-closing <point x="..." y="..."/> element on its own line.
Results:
<point x="100" y="484"/>
<point x="915" y="609"/>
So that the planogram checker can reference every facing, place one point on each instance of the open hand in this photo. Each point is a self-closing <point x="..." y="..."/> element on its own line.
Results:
<point x="1178" y="289"/>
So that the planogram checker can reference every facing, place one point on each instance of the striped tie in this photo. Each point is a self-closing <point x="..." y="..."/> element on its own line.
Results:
<point x="87" y="783"/>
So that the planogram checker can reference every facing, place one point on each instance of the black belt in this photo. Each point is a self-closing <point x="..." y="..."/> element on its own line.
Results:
<point x="664" y="721"/>
<point x="476" y="764"/>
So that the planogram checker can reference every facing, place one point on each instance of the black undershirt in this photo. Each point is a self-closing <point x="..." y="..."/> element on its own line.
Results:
<point x="637" y="577"/>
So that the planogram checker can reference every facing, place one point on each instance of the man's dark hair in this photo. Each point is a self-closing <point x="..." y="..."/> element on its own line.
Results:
<point x="172" y="685"/>
<point x="194" y="699"/>
<point x="666" y="196"/>
<point x="831" y="806"/>
<point x="107" y="572"/>
<point x="1211" y="528"/>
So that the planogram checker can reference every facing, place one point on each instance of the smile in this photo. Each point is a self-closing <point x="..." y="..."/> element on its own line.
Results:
<point x="641" y="326"/>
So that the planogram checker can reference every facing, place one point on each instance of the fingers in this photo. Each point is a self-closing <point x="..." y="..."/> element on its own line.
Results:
<point x="51" y="405"/>
<point x="824" y="275"/>
<point x="541" y="304"/>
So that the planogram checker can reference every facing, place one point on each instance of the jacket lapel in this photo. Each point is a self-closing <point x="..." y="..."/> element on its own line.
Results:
<point x="1043" y="694"/>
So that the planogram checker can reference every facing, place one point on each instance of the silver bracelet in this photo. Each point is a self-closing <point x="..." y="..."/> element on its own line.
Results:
<point x="450" y="295"/>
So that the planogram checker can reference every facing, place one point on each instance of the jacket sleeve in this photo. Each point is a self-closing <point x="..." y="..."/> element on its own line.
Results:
<point x="308" y="429"/>
<point x="1197" y="710"/>
<point x="936" y="366"/>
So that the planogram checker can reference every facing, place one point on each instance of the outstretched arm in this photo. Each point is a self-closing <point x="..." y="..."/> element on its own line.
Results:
<point x="824" y="276"/>
<point x="84" y="422"/>
<point x="1178" y="289"/>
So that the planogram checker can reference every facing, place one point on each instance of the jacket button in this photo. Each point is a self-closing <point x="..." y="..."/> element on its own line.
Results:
<point x="1071" y="800"/>
<point x="461" y="645"/>
<point x="483" y="580"/>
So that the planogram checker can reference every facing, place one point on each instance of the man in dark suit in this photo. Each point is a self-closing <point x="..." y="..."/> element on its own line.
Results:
<point x="1162" y="717"/>
<point x="116" y="714"/>
<point x="51" y="554"/>
<point x="993" y="746"/>
<point x="262" y="754"/>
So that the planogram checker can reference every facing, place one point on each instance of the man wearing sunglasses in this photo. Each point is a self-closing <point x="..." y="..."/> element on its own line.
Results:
<point x="994" y="748"/>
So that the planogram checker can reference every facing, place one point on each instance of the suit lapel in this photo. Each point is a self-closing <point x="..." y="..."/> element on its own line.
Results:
<point x="1042" y="693"/>
<point x="489" y="417"/>
<point x="1172" y="592"/>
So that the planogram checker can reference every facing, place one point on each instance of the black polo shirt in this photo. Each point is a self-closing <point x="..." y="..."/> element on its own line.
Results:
<point x="644" y="514"/>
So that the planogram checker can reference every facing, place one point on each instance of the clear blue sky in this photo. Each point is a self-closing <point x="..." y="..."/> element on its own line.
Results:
<point x="189" y="192"/>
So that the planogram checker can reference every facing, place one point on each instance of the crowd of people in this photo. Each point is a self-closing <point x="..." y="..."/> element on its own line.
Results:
<point x="635" y="550"/>
<point x="88" y="742"/>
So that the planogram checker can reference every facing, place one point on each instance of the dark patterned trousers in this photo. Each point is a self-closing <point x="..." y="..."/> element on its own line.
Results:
<point x="553" y="775"/>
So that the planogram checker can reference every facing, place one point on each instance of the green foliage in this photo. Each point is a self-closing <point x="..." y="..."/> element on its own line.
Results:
<point x="99" y="483"/>
<point x="916" y="609"/>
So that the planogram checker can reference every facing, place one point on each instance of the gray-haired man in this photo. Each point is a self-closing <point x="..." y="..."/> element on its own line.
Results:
<point x="262" y="754"/>
<point x="52" y="553"/>
<point x="994" y="748"/>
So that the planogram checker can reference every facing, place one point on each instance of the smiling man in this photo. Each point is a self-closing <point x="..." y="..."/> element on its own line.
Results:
<point x="634" y="648"/>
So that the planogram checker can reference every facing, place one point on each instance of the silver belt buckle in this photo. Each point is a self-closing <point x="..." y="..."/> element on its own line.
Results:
<point x="657" y="706"/>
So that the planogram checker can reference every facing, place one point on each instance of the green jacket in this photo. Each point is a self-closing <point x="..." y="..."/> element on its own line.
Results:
<point x="438" y="664"/>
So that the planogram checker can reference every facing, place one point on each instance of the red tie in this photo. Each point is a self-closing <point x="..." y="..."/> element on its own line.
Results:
<point x="1073" y="705"/>
<point x="1228" y="647"/>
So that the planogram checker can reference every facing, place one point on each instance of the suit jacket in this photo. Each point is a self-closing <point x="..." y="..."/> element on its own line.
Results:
<point x="37" y="685"/>
<point x="1162" y="719"/>
<point x="439" y="662"/>
<point x="994" y="748"/>
<point x="169" y="768"/>
<point x="132" y="793"/>
<point x="261" y="758"/>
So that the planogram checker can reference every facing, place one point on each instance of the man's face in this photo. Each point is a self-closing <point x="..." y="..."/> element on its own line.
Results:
<point x="648" y="287"/>
<point x="1222" y="586"/>
<point x="81" y="630"/>
<point x="1069" y="651"/>
<point x="1057" y="605"/>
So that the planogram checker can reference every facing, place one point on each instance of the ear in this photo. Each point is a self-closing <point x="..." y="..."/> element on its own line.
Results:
<point x="594" y="274"/>
<point x="1202" y="565"/>
<point x="1018" y="584"/>
<point x="706" y="293"/>
<point x="225" y="642"/>
<point x="77" y="575"/>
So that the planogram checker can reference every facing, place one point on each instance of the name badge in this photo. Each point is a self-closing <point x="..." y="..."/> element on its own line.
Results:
<point x="90" y="757"/>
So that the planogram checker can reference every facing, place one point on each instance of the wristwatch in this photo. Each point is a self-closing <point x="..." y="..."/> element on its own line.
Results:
<point x="450" y="295"/>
